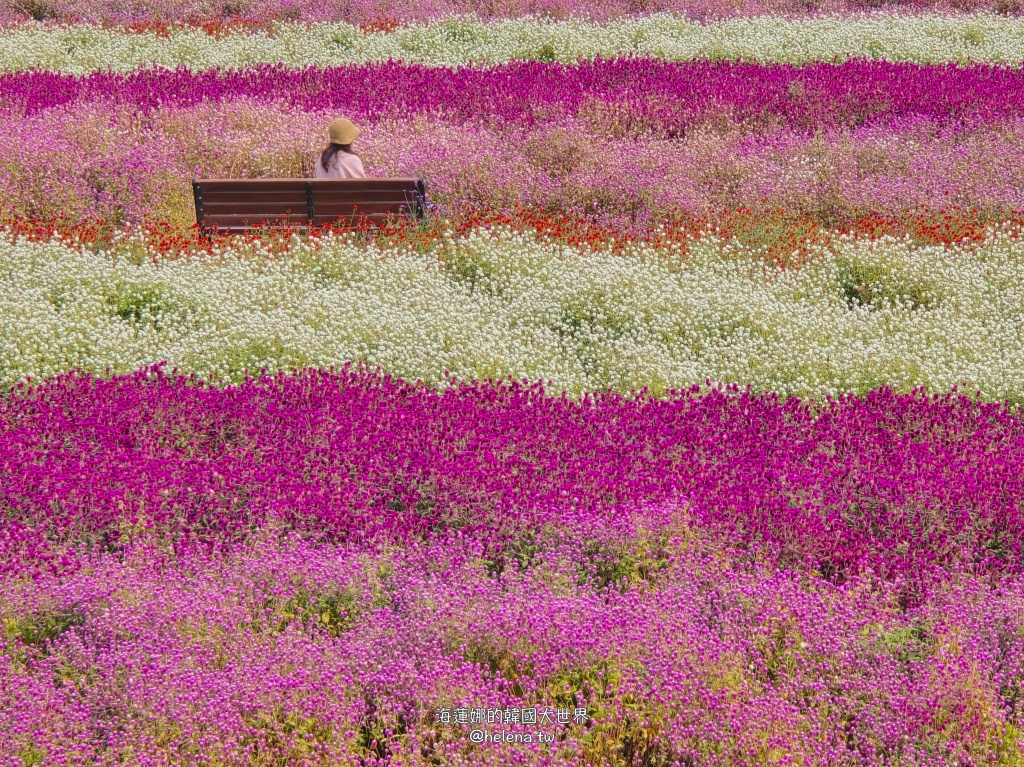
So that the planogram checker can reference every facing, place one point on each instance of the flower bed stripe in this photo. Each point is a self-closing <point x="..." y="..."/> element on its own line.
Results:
<point x="669" y="96"/>
<point x="857" y="315"/>
<point x="926" y="39"/>
<point x="347" y="655"/>
<point x="831" y="142"/>
<point x="162" y="16"/>
<point x="901" y="483"/>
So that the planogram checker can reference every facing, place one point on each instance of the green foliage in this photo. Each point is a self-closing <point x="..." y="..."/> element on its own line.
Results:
<point x="345" y="40"/>
<point x="138" y="305"/>
<point x="456" y="30"/>
<point x="631" y="739"/>
<point x="328" y="609"/>
<point x="32" y="755"/>
<point x="501" y="660"/>
<point x="908" y="643"/>
<point x="40" y="630"/>
<point x="876" y="50"/>
<point x="1007" y="749"/>
<point x="876" y="282"/>
<point x="974" y="36"/>
<point x="612" y="564"/>
<point x="590" y="311"/>
<point x="546" y="53"/>
<point x="470" y="266"/>
<point x="256" y="354"/>
<point x="603" y="563"/>
<point x="627" y="727"/>
<point x="146" y="307"/>
<point x="284" y="738"/>
<point x="331" y="612"/>
<point x="522" y="550"/>
<point x="779" y="651"/>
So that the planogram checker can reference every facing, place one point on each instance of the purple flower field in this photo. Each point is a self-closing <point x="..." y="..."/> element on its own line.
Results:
<point x="301" y="570"/>
<point x="899" y="483"/>
<point x="214" y="13"/>
<point x="664" y="97"/>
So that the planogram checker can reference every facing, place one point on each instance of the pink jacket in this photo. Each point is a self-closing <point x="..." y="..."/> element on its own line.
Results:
<point x="343" y="165"/>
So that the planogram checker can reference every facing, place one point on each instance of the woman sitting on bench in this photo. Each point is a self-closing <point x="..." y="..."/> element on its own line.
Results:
<point x="338" y="160"/>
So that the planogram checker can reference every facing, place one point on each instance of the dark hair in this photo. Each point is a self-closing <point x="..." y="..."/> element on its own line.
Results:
<point x="333" y="149"/>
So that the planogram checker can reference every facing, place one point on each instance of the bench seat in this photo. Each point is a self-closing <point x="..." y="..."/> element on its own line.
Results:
<point x="236" y="206"/>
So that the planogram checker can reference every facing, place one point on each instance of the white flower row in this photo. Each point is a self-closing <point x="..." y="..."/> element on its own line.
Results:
<point x="930" y="38"/>
<point x="495" y="304"/>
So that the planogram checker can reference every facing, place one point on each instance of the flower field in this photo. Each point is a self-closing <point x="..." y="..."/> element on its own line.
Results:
<point x="454" y="42"/>
<point x="684" y="431"/>
<point x="860" y="313"/>
<point x="835" y="142"/>
<point x="285" y="573"/>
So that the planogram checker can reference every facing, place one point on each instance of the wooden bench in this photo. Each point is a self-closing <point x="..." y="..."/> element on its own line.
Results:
<point x="234" y="206"/>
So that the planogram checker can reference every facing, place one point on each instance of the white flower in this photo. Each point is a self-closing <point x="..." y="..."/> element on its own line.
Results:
<point x="930" y="38"/>
<point x="583" y="320"/>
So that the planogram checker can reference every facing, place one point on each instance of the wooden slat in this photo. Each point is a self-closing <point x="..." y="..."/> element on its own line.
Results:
<point x="330" y="209"/>
<point x="321" y="186"/>
<point x="368" y="208"/>
<point x="322" y="196"/>
<point x="240" y="218"/>
<point x="264" y="185"/>
<point x="408" y="180"/>
<point x="279" y="183"/>
<point x="293" y="198"/>
<point x="253" y="208"/>
<point x="210" y="186"/>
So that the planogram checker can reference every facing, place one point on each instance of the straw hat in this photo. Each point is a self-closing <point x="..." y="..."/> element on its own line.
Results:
<point x="342" y="131"/>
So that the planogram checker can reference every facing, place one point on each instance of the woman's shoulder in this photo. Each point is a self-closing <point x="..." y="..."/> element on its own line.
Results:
<point x="354" y="166"/>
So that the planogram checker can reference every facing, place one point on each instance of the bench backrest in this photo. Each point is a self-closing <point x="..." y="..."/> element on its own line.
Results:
<point x="239" y="205"/>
